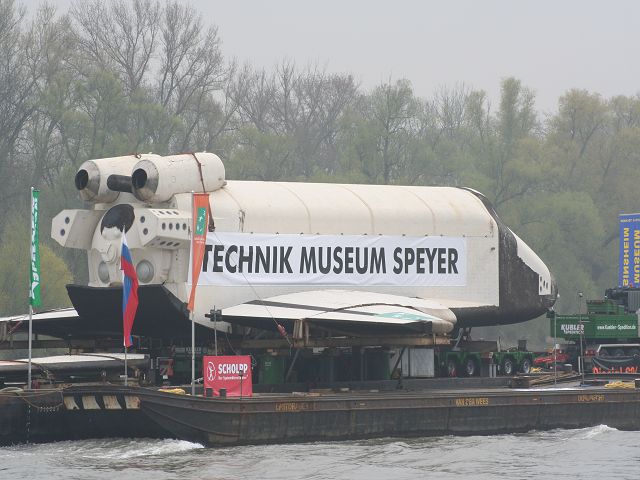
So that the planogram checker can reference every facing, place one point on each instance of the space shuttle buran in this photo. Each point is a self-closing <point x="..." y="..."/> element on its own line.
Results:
<point x="359" y="258"/>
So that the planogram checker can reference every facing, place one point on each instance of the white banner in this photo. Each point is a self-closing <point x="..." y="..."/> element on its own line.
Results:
<point x="333" y="260"/>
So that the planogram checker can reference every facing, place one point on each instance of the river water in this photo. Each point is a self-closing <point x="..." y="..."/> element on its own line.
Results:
<point x="591" y="453"/>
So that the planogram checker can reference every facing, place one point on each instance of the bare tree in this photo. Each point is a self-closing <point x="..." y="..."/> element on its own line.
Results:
<point x="254" y="92"/>
<point x="191" y="63"/>
<point x="16" y="94"/>
<point x="191" y="68"/>
<point x="48" y="48"/>
<point x="119" y="36"/>
<point x="393" y="109"/>
<point x="450" y="106"/>
<point x="303" y="108"/>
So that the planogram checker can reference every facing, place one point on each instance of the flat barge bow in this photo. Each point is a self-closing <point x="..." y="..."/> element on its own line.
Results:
<point x="73" y="413"/>
<point x="293" y="418"/>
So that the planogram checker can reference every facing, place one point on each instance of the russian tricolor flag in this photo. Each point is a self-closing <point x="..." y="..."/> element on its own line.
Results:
<point x="129" y="291"/>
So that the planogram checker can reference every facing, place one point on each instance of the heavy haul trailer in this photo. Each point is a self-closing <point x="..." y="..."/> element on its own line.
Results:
<point x="314" y="366"/>
<point x="469" y="364"/>
<point x="385" y="363"/>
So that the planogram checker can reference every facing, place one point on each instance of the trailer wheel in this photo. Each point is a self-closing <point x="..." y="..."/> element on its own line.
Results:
<point x="618" y="352"/>
<point x="452" y="368"/>
<point x="633" y="352"/>
<point x="603" y="352"/>
<point x="526" y="366"/>
<point x="470" y="367"/>
<point x="508" y="366"/>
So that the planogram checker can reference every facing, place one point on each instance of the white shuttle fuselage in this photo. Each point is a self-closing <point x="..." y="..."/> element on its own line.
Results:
<point x="268" y="239"/>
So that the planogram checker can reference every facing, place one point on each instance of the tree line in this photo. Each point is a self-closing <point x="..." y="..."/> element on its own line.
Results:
<point x="111" y="78"/>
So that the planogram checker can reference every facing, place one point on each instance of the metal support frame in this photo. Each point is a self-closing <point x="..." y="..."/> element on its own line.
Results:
<point x="463" y="334"/>
<point x="329" y="342"/>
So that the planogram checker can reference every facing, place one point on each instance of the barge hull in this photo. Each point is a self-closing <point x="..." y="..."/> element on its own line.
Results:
<point x="75" y="413"/>
<point x="218" y="422"/>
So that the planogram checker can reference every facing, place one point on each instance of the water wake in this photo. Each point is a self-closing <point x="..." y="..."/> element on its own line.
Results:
<point x="147" y="447"/>
<point x="592" y="432"/>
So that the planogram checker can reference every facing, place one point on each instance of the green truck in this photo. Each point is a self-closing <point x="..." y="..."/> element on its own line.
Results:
<point x="609" y="327"/>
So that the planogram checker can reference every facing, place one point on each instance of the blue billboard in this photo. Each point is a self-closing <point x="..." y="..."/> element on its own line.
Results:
<point x="629" y="262"/>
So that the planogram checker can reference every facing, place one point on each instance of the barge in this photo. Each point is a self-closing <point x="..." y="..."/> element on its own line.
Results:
<point x="103" y="411"/>
<point x="291" y="418"/>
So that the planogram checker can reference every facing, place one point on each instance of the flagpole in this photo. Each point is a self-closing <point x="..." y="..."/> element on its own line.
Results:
<point x="193" y="323"/>
<point x="129" y="298"/>
<point x="199" y="222"/>
<point x="30" y="294"/>
<point x="215" y="329"/>
<point x="124" y="343"/>
<point x="30" y="335"/>
<point x="193" y="355"/>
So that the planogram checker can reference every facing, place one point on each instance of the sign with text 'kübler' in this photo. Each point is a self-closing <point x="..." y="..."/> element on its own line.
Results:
<point x="230" y="372"/>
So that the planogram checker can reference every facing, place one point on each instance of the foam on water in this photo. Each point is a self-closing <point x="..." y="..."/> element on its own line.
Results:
<point x="136" y="448"/>
<point x="107" y="449"/>
<point x="596" y="431"/>
<point x="596" y="452"/>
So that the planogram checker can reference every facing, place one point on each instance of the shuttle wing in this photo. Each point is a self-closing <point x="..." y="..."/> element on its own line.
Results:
<point x="58" y="322"/>
<point x="345" y="311"/>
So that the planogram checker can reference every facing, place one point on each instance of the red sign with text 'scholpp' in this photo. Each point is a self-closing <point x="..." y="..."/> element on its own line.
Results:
<point x="230" y="372"/>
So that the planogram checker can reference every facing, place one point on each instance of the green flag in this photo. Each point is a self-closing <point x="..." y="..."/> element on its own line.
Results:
<point x="200" y="220"/>
<point x="34" y="289"/>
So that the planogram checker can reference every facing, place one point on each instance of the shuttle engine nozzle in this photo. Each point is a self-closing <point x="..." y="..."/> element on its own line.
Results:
<point x="102" y="180"/>
<point x="158" y="179"/>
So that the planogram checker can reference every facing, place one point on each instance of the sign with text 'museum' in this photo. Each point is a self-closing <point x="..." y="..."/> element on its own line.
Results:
<point x="232" y="373"/>
<point x="629" y="263"/>
<point x="333" y="260"/>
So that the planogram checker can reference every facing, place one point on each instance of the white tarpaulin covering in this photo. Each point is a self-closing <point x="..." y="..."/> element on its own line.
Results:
<point x="348" y="307"/>
<point x="79" y="361"/>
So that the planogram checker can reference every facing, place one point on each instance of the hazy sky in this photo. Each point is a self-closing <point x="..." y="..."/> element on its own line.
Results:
<point x="550" y="45"/>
